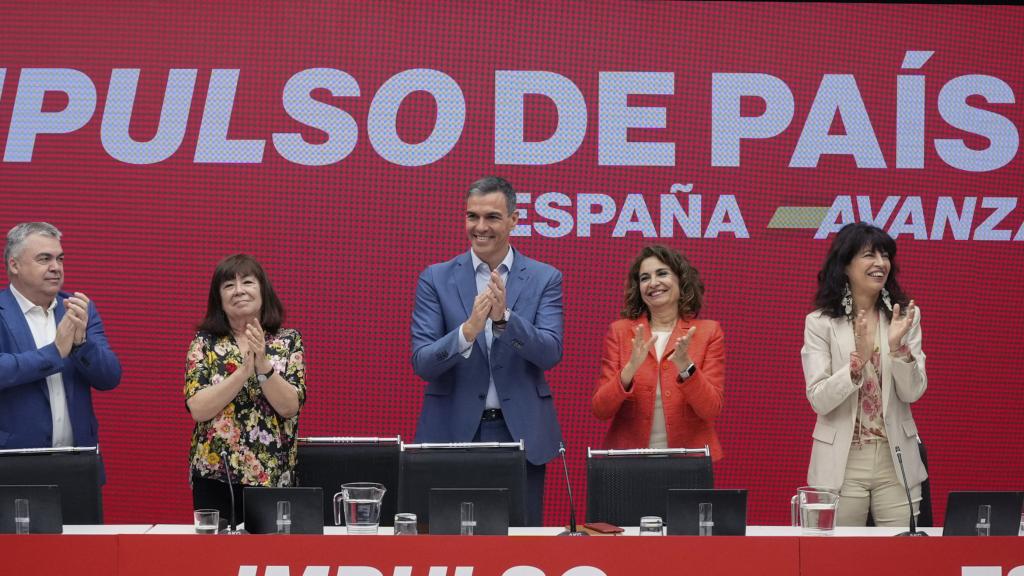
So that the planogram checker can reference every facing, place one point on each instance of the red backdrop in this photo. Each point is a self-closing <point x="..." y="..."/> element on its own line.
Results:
<point x="344" y="241"/>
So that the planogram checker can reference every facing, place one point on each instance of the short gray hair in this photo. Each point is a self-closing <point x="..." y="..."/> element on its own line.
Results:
<point x="489" y="184"/>
<point x="16" y="237"/>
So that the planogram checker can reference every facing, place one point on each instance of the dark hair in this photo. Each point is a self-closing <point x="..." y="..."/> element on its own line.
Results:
<point x="271" y="310"/>
<point x="832" y="280"/>
<point x="691" y="288"/>
<point x="489" y="184"/>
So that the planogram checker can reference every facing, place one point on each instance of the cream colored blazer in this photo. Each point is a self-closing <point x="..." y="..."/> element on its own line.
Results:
<point x="828" y="343"/>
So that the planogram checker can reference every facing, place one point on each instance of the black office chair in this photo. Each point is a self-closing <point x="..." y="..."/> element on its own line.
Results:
<point x="77" y="471"/>
<point x="329" y="462"/>
<point x="462" y="465"/>
<point x="625" y="485"/>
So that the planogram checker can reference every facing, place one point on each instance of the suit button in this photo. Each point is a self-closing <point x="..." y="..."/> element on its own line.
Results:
<point x="668" y="393"/>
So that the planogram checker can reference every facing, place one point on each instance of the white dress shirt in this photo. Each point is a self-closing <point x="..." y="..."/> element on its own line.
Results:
<point x="483" y="277"/>
<point x="43" y="325"/>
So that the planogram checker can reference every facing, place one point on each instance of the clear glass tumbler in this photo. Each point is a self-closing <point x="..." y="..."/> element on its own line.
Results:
<point x="405" y="524"/>
<point x="651" y="526"/>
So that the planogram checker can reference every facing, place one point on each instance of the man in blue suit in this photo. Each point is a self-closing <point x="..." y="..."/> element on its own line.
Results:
<point x="486" y="326"/>
<point x="52" y="348"/>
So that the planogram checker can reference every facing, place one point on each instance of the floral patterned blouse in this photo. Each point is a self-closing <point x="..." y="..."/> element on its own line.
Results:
<point x="260" y="444"/>
<point x="869" y="425"/>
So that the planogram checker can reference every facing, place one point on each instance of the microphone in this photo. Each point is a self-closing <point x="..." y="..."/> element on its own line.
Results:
<point x="913" y="524"/>
<point x="572" y="531"/>
<point x="233" y="527"/>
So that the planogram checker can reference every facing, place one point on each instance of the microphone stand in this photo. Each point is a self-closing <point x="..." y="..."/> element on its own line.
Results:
<point x="572" y="531"/>
<point x="233" y="527"/>
<point x="913" y="524"/>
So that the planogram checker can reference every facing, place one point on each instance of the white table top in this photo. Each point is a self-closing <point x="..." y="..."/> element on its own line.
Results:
<point x="93" y="529"/>
<point x="630" y="530"/>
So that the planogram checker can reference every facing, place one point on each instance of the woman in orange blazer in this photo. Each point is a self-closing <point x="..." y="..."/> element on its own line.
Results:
<point x="662" y="370"/>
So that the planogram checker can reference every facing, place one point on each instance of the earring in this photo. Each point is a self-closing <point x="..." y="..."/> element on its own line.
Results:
<point x="848" y="300"/>
<point x="885" y="299"/>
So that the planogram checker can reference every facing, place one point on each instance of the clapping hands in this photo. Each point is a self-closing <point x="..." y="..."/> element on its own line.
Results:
<point x="255" y="338"/>
<point x="900" y="325"/>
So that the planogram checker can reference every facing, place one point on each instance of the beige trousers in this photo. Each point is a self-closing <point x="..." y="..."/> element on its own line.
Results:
<point x="871" y="483"/>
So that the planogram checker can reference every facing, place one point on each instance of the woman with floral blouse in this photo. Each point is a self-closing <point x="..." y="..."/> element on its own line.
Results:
<point x="244" y="385"/>
<point x="864" y="367"/>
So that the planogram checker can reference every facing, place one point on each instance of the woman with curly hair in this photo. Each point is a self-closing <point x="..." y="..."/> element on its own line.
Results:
<point x="662" y="371"/>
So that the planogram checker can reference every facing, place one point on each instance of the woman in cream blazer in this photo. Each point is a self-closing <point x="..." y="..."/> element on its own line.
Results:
<point x="863" y="367"/>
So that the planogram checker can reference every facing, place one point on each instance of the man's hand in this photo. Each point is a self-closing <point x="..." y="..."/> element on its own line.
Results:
<point x="71" y="329"/>
<point x="497" y="290"/>
<point x="80" y="302"/>
<point x="478" y="316"/>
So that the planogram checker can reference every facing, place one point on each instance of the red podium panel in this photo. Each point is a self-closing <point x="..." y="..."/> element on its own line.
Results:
<point x="994" y="556"/>
<point x="57" y="555"/>
<point x="444" y="555"/>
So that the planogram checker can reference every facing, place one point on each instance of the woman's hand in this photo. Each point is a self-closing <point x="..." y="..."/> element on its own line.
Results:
<point x="680" y="356"/>
<point x="256" y="339"/>
<point x="900" y="325"/>
<point x="641" y="347"/>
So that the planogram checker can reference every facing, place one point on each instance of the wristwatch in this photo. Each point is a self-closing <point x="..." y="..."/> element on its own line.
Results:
<point x="261" y="378"/>
<point x="688" y="372"/>
<point x="504" y="318"/>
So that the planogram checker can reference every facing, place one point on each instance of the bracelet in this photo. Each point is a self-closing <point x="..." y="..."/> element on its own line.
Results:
<point x="903" y="352"/>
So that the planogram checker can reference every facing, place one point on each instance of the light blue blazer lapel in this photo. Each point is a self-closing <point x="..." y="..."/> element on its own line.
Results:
<point x="465" y="282"/>
<point x="517" y="279"/>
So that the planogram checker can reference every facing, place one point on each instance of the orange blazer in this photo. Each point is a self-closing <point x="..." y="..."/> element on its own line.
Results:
<point x="691" y="406"/>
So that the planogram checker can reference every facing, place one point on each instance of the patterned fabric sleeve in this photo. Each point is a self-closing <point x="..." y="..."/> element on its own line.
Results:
<point x="295" y="369"/>
<point x="197" y="366"/>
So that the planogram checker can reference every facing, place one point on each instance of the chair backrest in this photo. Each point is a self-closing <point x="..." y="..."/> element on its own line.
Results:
<point x="77" y="471"/>
<point x="330" y="462"/>
<point x="625" y="485"/>
<point x="462" y="465"/>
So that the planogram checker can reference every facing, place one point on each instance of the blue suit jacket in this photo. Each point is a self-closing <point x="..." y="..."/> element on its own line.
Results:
<point x="530" y="344"/>
<point x="25" y="420"/>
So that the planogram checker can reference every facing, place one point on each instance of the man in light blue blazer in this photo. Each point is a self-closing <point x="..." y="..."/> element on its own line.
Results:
<point x="52" y="348"/>
<point x="486" y="326"/>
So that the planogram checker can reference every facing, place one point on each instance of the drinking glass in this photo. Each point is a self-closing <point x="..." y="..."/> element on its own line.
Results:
<point x="21" y="517"/>
<point x="207" y="520"/>
<point x="651" y="526"/>
<point x="984" y="520"/>
<point x="405" y="524"/>
<point x="705" y="522"/>
<point x="284" y="517"/>
<point x="467" y="522"/>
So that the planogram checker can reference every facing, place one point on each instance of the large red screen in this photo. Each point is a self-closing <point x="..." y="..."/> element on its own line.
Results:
<point x="335" y="141"/>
